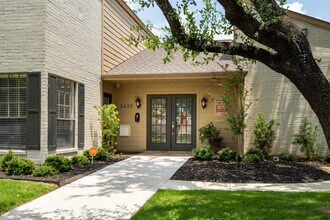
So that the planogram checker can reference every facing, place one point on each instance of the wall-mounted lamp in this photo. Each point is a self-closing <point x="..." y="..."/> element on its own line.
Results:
<point x="203" y="102"/>
<point x="305" y="31"/>
<point x="138" y="102"/>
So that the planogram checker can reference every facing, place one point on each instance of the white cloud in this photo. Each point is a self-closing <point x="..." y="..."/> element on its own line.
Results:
<point x="295" y="6"/>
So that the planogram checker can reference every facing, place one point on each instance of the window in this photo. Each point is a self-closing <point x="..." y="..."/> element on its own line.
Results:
<point x="65" y="113"/>
<point x="13" y="112"/>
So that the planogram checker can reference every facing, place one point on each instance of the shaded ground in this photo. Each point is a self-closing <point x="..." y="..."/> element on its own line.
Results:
<point x="68" y="177"/>
<point x="266" y="172"/>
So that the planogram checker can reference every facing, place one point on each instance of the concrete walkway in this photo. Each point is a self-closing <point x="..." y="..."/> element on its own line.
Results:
<point x="115" y="192"/>
<point x="294" y="187"/>
<point x="119" y="190"/>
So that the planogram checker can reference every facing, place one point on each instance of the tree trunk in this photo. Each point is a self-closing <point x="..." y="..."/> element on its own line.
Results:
<point x="314" y="86"/>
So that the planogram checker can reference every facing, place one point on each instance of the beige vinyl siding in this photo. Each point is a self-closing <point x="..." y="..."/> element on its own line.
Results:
<point x="127" y="91"/>
<point x="116" y="26"/>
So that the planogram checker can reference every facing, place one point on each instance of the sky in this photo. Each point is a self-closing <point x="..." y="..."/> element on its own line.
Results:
<point x="314" y="8"/>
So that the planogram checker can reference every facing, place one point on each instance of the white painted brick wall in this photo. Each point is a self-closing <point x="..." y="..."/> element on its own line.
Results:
<point x="61" y="37"/>
<point x="73" y="51"/>
<point x="22" y="44"/>
<point x="281" y="100"/>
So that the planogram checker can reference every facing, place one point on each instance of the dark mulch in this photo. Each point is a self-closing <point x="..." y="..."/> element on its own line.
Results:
<point x="67" y="177"/>
<point x="266" y="172"/>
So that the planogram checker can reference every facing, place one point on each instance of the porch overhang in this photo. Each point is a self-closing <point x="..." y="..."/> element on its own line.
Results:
<point x="170" y="76"/>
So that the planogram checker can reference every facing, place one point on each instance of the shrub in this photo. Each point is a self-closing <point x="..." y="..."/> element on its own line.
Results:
<point x="203" y="153"/>
<point x="253" y="155"/>
<point x="264" y="134"/>
<point x="326" y="157"/>
<point x="45" y="170"/>
<point x="5" y="159"/>
<point x="101" y="155"/>
<point x="108" y="117"/>
<point x="80" y="160"/>
<point x="209" y="132"/>
<point x="20" y="166"/>
<point x="307" y="139"/>
<point x="227" y="155"/>
<point x="286" y="156"/>
<point x="58" y="162"/>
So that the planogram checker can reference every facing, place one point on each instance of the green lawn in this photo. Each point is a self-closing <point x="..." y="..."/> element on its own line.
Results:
<point x="209" y="204"/>
<point x="14" y="193"/>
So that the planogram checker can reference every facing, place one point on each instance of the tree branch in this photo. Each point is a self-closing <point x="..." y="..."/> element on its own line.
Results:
<point x="201" y="45"/>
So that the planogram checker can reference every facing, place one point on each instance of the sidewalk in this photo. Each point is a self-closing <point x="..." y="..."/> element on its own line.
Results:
<point x="293" y="187"/>
<point x="115" y="192"/>
<point x="119" y="190"/>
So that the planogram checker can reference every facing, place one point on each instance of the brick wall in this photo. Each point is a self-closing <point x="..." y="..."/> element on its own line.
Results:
<point x="22" y="44"/>
<point x="73" y="51"/>
<point x="278" y="98"/>
<point x="61" y="37"/>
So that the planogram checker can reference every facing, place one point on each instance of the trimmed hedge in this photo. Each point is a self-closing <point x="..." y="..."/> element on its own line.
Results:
<point x="58" y="162"/>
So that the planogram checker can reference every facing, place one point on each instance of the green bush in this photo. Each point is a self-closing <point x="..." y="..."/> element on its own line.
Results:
<point x="101" y="155"/>
<point x="264" y="134"/>
<point x="253" y="155"/>
<point x="5" y="159"/>
<point x="209" y="132"/>
<point x="227" y="155"/>
<point x="252" y="158"/>
<point x="58" y="162"/>
<point x="45" y="170"/>
<point x="20" y="166"/>
<point x="286" y="156"/>
<point x="80" y="160"/>
<point x="108" y="116"/>
<point x="326" y="157"/>
<point x="203" y="153"/>
<point x="307" y="139"/>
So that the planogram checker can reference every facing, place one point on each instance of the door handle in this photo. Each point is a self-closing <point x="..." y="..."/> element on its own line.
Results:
<point x="172" y="127"/>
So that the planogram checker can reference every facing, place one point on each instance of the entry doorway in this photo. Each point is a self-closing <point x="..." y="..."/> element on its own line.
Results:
<point x="171" y="122"/>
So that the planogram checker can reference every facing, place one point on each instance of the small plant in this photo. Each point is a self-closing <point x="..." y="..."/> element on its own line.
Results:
<point x="326" y="157"/>
<point x="108" y="117"/>
<point x="5" y="159"/>
<point x="80" y="160"/>
<point x="45" y="170"/>
<point x="101" y="155"/>
<point x="286" y="156"/>
<point x="227" y="155"/>
<point x="253" y="155"/>
<point x="307" y="139"/>
<point x="20" y="166"/>
<point x="264" y="134"/>
<point x="209" y="132"/>
<point x="58" y="162"/>
<point x="203" y="153"/>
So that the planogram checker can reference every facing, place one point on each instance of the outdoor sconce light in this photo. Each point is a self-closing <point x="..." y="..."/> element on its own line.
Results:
<point x="203" y="102"/>
<point x="138" y="102"/>
<point x="305" y="31"/>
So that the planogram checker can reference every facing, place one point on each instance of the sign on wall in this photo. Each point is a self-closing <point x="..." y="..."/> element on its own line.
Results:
<point x="219" y="107"/>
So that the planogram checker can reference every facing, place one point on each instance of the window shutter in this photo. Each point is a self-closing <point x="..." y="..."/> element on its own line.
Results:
<point x="52" y="112"/>
<point x="33" y="110"/>
<point x="81" y="115"/>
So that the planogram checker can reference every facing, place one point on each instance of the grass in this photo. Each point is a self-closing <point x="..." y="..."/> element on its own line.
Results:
<point x="14" y="193"/>
<point x="209" y="204"/>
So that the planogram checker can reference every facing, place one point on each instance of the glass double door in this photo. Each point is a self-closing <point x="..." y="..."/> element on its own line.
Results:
<point x="171" y="123"/>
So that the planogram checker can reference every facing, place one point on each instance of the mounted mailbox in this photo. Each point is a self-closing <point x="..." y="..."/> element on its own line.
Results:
<point x="125" y="130"/>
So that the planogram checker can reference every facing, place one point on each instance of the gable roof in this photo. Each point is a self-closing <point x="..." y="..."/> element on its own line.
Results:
<point x="150" y="63"/>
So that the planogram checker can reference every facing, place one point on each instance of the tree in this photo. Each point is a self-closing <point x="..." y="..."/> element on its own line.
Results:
<point x="284" y="48"/>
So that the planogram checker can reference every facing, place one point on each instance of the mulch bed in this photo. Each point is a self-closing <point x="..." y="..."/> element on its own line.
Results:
<point x="265" y="172"/>
<point x="61" y="179"/>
